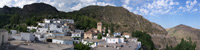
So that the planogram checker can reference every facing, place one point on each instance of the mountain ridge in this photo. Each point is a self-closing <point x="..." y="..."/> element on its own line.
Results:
<point x="186" y="32"/>
<point x="125" y="21"/>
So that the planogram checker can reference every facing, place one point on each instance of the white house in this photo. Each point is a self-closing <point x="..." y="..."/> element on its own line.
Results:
<point x="115" y="40"/>
<point x="3" y="36"/>
<point x="76" y="35"/>
<point x="135" y="41"/>
<point x="117" y="34"/>
<point x="56" y="34"/>
<point x="24" y="36"/>
<point x="42" y="37"/>
<point x="27" y="36"/>
<point x="41" y="24"/>
<point x="70" y="21"/>
<point x="42" y="30"/>
<point x="31" y="27"/>
<point x="46" y="21"/>
<point x="62" y="40"/>
<point x="127" y="35"/>
<point x="13" y="31"/>
<point x="93" y="42"/>
<point x="16" y="36"/>
<point x="79" y="31"/>
<point x="56" y="28"/>
<point x="62" y="21"/>
<point x="139" y="44"/>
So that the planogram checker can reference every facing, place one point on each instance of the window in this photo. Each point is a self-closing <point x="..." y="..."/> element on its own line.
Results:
<point x="58" y="26"/>
<point x="51" y="21"/>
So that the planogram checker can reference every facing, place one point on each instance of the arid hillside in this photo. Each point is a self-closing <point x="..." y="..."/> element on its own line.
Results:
<point x="186" y="32"/>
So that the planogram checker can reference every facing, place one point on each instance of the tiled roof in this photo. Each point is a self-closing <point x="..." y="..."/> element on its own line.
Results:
<point x="126" y="33"/>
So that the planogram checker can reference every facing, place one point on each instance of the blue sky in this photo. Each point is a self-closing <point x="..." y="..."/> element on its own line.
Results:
<point x="167" y="13"/>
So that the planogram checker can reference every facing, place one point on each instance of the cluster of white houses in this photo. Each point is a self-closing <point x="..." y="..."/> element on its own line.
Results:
<point x="62" y="31"/>
<point x="3" y="36"/>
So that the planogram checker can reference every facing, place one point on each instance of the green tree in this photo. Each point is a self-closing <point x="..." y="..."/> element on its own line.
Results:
<point x="112" y="29"/>
<point x="85" y="22"/>
<point x="99" y="36"/>
<point x="33" y="30"/>
<point x="22" y="28"/>
<point x="4" y="19"/>
<point x="14" y="19"/>
<point x="81" y="46"/>
<point x="106" y="31"/>
<point x="183" y="45"/>
<point x="169" y="48"/>
<point x="147" y="43"/>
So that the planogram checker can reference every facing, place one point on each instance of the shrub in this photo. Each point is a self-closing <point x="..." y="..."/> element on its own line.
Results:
<point x="147" y="43"/>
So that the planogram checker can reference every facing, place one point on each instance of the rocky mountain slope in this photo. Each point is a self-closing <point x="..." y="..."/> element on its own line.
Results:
<point x="39" y="8"/>
<point x="124" y="20"/>
<point x="186" y="32"/>
<point x="27" y="12"/>
<point x="35" y="8"/>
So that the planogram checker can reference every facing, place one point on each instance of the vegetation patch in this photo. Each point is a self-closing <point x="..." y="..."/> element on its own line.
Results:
<point x="184" y="45"/>
<point x="147" y="43"/>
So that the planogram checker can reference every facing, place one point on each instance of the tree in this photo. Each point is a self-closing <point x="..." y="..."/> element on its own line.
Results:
<point x="112" y="29"/>
<point x="147" y="43"/>
<point x="183" y="45"/>
<point x="14" y="19"/>
<point x="106" y="31"/>
<point x="33" y="30"/>
<point x="4" y="19"/>
<point x="99" y="36"/>
<point x="85" y="22"/>
<point x="22" y="28"/>
<point x="81" y="46"/>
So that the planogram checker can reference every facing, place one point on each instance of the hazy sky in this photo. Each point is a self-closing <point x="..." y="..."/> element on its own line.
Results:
<point x="167" y="13"/>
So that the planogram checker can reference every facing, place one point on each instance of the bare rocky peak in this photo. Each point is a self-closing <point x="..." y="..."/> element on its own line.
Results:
<point x="184" y="31"/>
<point x="38" y="7"/>
<point x="124" y="20"/>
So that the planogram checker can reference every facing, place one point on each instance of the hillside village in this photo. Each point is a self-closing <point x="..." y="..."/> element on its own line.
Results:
<point x="60" y="34"/>
<point x="41" y="26"/>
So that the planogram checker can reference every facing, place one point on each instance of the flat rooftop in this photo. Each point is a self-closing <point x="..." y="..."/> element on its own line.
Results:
<point x="39" y="46"/>
<point x="61" y="37"/>
<point x="50" y="46"/>
<point x="112" y="46"/>
<point x="93" y="40"/>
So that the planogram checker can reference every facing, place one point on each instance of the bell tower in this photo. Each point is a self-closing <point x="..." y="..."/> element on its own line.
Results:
<point x="99" y="27"/>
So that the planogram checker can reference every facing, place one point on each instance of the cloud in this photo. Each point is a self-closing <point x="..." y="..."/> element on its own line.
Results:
<point x="62" y="5"/>
<point x="157" y="7"/>
<point x="77" y="7"/>
<point x="190" y="6"/>
<point x="104" y="4"/>
<point x="180" y="7"/>
<point x="84" y="3"/>
<point x="194" y="10"/>
<point x="145" y="11"/>
<point x="127" y="7"/>
<point x="6" y="2"/>
<point x="126" y="4"/>
<point x="20" y="3"/>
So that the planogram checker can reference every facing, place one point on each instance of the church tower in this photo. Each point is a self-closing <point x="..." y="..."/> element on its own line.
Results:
<point x="99" y="27"/>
